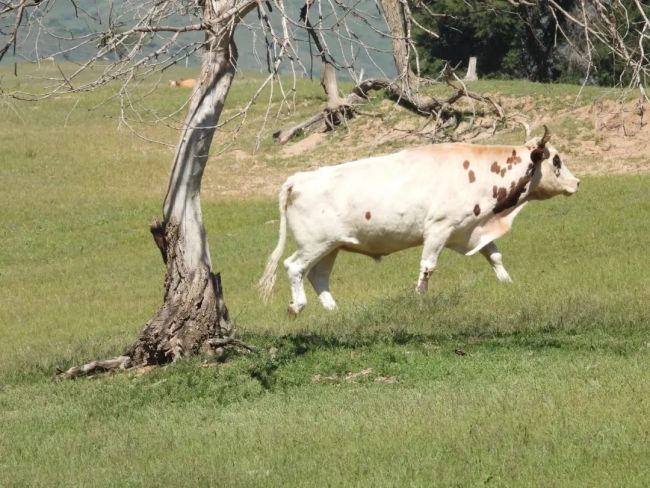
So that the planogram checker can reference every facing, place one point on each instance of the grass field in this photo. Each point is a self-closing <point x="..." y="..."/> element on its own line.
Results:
<point x="553" y="388"/>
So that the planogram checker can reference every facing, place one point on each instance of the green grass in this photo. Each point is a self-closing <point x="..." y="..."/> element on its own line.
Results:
<point x="553" y="389"/>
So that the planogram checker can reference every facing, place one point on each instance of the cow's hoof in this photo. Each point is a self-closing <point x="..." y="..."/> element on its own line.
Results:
<point x="504" y="278"/>
<point x="327" y="302"/>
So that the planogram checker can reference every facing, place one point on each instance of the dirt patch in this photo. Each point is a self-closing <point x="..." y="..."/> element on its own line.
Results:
<point x="240" y="155"/>
<point x="303" y="145"/>
<point x="607" y="137"/>
<point x="228" y="176"/>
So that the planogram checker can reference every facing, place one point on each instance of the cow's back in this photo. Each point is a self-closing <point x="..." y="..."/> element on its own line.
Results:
<point x="376" y="205"/>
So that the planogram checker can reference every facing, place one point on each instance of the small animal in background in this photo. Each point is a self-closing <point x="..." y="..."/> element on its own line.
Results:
<point x="183" y="83"/>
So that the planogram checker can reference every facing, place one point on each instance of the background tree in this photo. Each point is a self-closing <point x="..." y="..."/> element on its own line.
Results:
<point x="490" y="30"/>
<point x="594" y="41"/>
<point x="510" y="39"/>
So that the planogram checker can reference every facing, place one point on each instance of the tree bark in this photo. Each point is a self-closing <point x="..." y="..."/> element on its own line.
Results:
<point x="193" y="317"/>
<point x="396" y="22"/>
<point x="405" y="89"/>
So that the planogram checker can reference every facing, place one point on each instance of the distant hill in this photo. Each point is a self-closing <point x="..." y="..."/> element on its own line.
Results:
<point x="62" y="20"/>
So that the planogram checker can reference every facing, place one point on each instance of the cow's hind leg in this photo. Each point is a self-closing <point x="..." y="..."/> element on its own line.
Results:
<point x="319" y="276"/>
<point x="298" y="264"/>
<point x="433" y="246"/>
<point x="492" y="254"/>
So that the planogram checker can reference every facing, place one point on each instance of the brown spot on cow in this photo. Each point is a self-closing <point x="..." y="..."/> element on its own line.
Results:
<point x="503" y="172"/>
<point x="465" y="164"/>
<point x="472" y="176"/>
<point x="509" y="167"/>
<point x="495" y="168"/>
<point x="514" y="153"/>
<point x="368" y="215"/>
<point x="513" y="196"/>
<point x="477" y="210"/>
<point x="516" y="160"/>
<point x="494" y="191"/>
<point x="501" y="193"/>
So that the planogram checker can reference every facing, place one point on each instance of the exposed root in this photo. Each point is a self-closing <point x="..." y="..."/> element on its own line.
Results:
<point x="230" y="341"/>
<point x="125" y="363"/>
<point x="95" y="367"/>
<point x="192" y="319"/>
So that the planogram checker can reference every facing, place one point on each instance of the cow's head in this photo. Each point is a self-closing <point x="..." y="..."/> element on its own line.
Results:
<point x="550" y="175"/>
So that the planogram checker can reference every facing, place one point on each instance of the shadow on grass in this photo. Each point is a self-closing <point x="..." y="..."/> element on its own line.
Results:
<point x="550" y="335"/>
<point x="338" y="335"/>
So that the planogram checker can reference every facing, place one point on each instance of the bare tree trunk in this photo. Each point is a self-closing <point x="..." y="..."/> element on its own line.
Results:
<point x="471" y="70"/>
<point x="405" y="89"/>
<point x="396" y="22"/>
<point x="338" y="109"/>
<point x="193" y="316"/>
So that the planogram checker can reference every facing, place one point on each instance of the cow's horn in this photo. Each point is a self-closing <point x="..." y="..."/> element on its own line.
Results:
<point x="545" y="138"/>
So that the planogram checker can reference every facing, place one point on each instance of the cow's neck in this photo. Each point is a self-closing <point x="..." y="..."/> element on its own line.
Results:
<point x="512" y="187"/>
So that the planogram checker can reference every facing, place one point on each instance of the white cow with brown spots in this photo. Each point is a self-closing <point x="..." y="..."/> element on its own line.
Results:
<point x="459" y="196"/>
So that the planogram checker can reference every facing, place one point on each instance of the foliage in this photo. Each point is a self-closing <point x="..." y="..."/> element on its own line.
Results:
<point x="526" y="41"/>
<point x="608" y="69"/>
<point x="509" y="41"/>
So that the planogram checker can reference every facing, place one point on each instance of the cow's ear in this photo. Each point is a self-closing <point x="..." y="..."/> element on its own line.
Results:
<point x="539" y="154"/>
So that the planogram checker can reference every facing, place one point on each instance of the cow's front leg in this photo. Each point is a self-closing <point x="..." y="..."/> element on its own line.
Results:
<point x="492" y="254"/>
<point x="433" y="246"/>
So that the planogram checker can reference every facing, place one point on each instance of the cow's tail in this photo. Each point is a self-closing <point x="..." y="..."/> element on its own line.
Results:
<point x="267" y="280"/>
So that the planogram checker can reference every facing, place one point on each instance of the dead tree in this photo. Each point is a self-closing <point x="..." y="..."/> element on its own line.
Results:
<point x="622" y="27"/>
<point x="405" y="89"/>
<point x="193" y="316"/>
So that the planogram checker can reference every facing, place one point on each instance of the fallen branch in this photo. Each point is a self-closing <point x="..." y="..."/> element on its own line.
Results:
<point x="95" y="367"/>
<point x="340" y="109"/>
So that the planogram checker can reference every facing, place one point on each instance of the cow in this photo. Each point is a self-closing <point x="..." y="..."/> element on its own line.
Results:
<point x="457" y="196"/>
<point x="183" y="83"/>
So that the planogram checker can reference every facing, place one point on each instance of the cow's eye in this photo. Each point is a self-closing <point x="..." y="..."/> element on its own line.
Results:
<point x="557" y="162"/>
